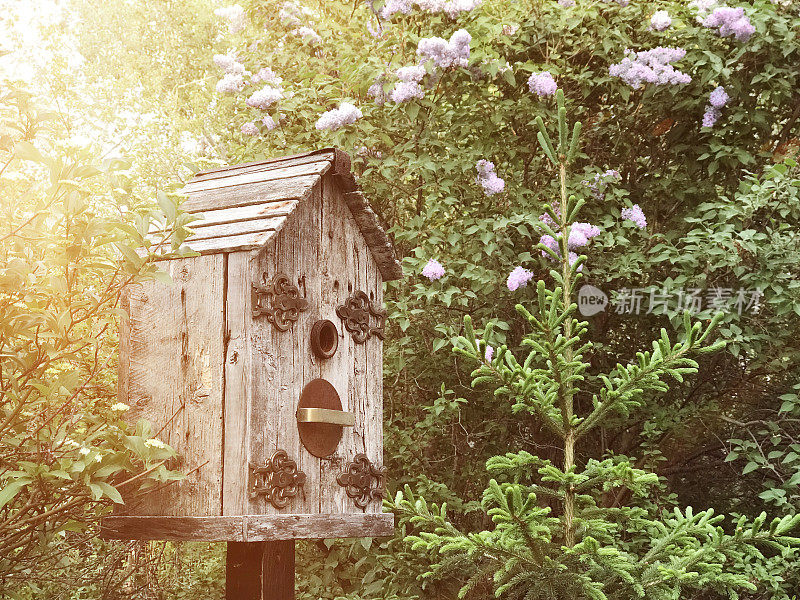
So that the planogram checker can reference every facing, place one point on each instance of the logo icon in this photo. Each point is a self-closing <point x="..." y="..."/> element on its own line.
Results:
<point x="591" y="300"/>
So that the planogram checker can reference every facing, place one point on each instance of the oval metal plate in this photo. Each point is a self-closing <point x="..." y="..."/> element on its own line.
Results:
<point x="320" y="439"/>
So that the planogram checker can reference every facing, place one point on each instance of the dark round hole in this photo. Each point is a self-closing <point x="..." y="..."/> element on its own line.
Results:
<point x="324" y="339"/>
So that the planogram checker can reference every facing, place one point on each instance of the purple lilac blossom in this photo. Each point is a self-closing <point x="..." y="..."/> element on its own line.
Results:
<point x="711" y="116"/>
<point x="660" y="20"/>
<point x="489" y="354"/>
<point x="235" y="16"/>
<point x="231" y="83"/>
<point x="718" y="98"/>
<point x="730" y="21"/>
<point x="346" y="114"/>
<point x="636" y="215"/>
<point x="433" y="270"/>
<point x="598" y="184"/>
<point x="567" y="3"/>
<point x="548" y="220"/>
<point x="265" y="97"/>
<point x="580" y="234"/>
<point x="550" y="242"/>
<point x="650" y="66"/>
<point x="250" y="129"/>
<point x="488" y="179"/>
<point x="542" y="84"/>
<point x="446" y="54"/>
<point x="510" y="29"/>
<point x="376" y="91"/>
<point x="518" y="278"/>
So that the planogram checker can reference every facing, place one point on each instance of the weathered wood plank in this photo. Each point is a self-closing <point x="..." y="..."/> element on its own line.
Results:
<point x="238" y="385"/>
<point x="275" y="163"/>
<point x="178" y="529"/>
<point x="280" y="208"/>
<point x="248" y="528"/>
<point x="287" y="172"/>
<point x="335" y="270"/>
<point x="232" y="243"/>
<point x="287" y="527"/>
<point x="296" y="188"/>
<point x="175" y="380"/>
<point x="226" y="230"/>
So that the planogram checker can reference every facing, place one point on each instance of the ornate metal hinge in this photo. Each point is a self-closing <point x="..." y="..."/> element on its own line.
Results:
<point x="278" y="481"/>
<point x="279" y="300"/>
<point x="356" y="314"/>
<point x="362" y="481"/>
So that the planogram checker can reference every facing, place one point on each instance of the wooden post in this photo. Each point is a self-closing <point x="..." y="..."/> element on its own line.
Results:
<point x="260" y="570"/>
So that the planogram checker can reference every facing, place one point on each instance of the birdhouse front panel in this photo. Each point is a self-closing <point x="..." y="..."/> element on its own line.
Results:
<point x="261" y="363"/>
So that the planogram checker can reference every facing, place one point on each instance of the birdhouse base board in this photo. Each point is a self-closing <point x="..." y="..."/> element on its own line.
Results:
<point x="248" y="528"/>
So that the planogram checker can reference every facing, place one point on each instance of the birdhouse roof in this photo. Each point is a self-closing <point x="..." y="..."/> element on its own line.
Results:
<point x="245" y="206"/>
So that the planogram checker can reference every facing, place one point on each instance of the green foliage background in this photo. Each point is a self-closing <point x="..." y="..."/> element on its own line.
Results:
<point x="722" y="207"/>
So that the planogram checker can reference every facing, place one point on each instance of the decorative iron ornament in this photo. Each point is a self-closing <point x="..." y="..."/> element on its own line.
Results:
<point x="362" y="481"/>
<point x="357" y="314"/>
<point x="278" y="480"/>
<point x="279" y="300"/>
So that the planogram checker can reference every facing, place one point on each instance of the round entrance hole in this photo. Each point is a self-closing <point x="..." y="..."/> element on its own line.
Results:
<point x="324" y="339"/>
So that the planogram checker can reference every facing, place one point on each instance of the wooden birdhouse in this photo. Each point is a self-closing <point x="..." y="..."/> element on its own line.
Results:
<point x="261" y="364"/>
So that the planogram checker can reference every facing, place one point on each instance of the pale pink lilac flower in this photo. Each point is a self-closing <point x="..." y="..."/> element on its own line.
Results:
<point x="542" y="84"/>
<point x="730" y="21"/>
<point x="567" y="3"/>
<point x="250" y="129"/>
<point x="488" y="179"/>
<point x="636" y="215"/>
<point x="267" y="75"/>
<point x="510" y="29"/>
<point x="346" y="114"/>
<point x="269" y="123"/>
<point x="265" y="97"/>
<point x="409" y="85"/>
<point x="518" y="278"/>
<point x="433" y="270"/>
<point x="445" y="53"/>
<point x="660" y="20"/>
<point x="229" y="63"/>
<point x="307" y="34"/>
<point x="650" y="66"/>
<point x="235" y="16"/>
<point x="231" y="83"/>
<point x="453" y="8"/>
<point x="396" y="6"/>
<point x="489" y="354"/>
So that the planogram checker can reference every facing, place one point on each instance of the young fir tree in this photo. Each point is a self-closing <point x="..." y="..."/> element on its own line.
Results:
<point x="554" y="535"/>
